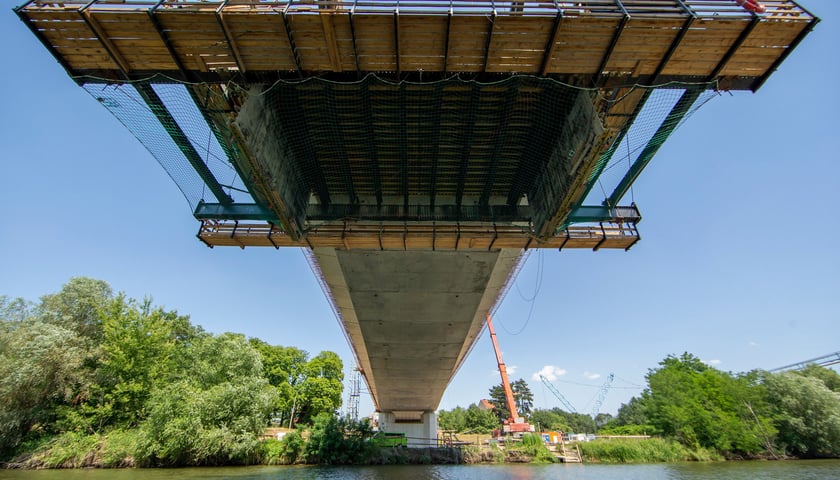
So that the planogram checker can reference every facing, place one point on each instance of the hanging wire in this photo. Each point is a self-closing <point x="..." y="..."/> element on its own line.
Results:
<point x="533" y="301"/>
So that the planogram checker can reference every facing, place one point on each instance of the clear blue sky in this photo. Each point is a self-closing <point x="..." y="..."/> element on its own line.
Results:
<point x="738" y="263"/>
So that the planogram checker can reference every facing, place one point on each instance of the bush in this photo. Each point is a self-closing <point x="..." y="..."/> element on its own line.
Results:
<point x="119" y="448"/>
<point x="652" y="450"/>
<point x="532" y="446"/>
<point x="334" y="441"/>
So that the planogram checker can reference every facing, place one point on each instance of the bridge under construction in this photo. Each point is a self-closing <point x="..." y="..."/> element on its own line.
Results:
<point x="414" y="149"/>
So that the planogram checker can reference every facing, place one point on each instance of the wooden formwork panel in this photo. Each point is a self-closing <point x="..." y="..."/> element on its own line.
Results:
<point x="72" y="39"/>
<point x="422" y="42"/>
<point x="262" y="41"/>
<point x="518" y="44"/>
<point x="467" y="44"/>
<point x="343" y="32"/>
<point x="310" y="42"/>
<point x="642" y="46"/>
<point x="137" y="43"/>
<point x="375" y="45"/>
<point x="581" y="44"/>
<point x="704" y="46"/>
<point x="762" y="48"/>
<point x="324" y="40"/>
<point x="198" y="40"/>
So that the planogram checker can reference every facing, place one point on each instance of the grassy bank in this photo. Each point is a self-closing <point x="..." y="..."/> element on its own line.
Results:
<point x="651" y="450"/>
<point x="120" y="449"/>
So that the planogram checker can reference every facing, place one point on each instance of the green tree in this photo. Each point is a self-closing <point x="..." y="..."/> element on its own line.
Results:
<point x="807" y="414"/>
<point x="338" y="441"/>
<point x="632" y="413"/>
<point x="40" y="368"/>
<point x="304" y="387"/>
<point x="704" y="407"/>
<point x="322" y="388"/>
<point x="478" y="420"/>
<point x="77" y="307"/>
<point x="549" y="420"/>
<point x="522" y="398"/>
<point x="14" y="311"/>
<point x="215" y="413"/>
<point x="453" y="420"/>
<point x="829" y="377"/>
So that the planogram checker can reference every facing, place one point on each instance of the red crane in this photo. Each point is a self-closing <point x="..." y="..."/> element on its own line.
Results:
<point x="515" y="423"/>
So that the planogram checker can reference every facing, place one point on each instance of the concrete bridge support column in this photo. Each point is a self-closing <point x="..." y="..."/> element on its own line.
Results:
<point x="420" y="434"/>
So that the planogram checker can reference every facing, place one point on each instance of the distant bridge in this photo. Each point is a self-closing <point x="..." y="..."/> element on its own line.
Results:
<point x="414" y="148"/>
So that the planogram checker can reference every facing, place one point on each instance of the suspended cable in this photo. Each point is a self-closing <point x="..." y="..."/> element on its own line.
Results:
<point x="533" y="302"/>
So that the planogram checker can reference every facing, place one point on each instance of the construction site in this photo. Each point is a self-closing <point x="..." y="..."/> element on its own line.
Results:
<point x="414" y="150"/>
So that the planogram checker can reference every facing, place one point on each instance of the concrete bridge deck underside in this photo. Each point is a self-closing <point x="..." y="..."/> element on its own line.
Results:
<point x="413" y="316"/>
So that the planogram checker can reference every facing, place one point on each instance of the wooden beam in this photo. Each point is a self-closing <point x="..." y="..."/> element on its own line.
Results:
<point x="551" y="43"/>
<point x="397" y="40"/>
<point x="353" y="37"/>
<point x="106" y="42"/>
<point x="329" y="39"/>
<point x="291" y="39"/>
<point x="489" y="40"/>
<point x="231" y="41"/>
<point x="735" y="46"/>
<point x="616" y="36"/>
<point x="169" y="47"/>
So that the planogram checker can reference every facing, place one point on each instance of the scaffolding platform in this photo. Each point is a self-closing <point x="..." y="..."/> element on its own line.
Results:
<point x="355" y="236"/>
<point x="586" y="43"/>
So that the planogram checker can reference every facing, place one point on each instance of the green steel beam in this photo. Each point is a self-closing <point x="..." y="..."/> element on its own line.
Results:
<point x="252" y="211"/>
<point x="668" y="125"/>
<point x="180" y="138"/>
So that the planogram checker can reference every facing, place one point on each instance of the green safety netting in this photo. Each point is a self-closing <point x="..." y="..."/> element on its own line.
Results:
<point x="448" y="150"/>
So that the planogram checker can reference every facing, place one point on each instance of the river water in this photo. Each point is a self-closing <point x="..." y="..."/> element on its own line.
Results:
<point x="781" y="470"/>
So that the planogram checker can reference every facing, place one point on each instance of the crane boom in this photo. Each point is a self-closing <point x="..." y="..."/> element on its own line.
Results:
<point x="514" y="424"/>
<point x="557" y="394"/>
<point x="511" y="404"/>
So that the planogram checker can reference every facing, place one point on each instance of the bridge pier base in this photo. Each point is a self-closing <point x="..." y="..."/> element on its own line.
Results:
<point x="420" y="431"/>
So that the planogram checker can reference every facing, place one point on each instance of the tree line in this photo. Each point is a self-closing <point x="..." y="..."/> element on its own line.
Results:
<point x="757" y="414"/>
<point x="85" y="366"/>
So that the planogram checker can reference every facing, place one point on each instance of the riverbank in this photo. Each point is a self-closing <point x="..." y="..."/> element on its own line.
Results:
<point x="117" y="450"/>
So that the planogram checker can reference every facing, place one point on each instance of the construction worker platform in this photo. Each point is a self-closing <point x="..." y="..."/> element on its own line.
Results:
<point x="585" y="43"/>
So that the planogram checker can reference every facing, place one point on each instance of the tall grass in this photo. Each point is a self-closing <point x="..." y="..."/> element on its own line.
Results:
<point x="531" y="445"/>
<point x="651" y="450"/>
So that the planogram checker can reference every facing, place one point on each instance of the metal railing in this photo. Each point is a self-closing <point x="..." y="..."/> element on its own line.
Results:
<point x="776" y="9"/>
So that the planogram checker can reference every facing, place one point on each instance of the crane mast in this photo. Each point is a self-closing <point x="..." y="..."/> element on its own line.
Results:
<point x="515" y="423"/>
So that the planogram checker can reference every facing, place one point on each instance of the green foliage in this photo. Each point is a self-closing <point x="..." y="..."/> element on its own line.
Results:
<point x="119" y="448"/>
<point x="292" y="447"/>
<point x="650" y="450"/>
<point x="477" y="420"/>
<point x="218" y="425"/>
<point x="68" y="450"/>
<point x="452" y="420"/>
<point x="550" y="420"/>
<point x="40" y="368"/>
<point x="338" y="441"/>
<point x="560" y="420"/>
<point x="807" y="414"/>
<point x="77" y="307"/>
<point x="631" y="413"/>
<point x="305" y="387"/>
<point x="522" y="398"/>
<point x="627" y="430"/>
<point x="829" y="377"/>
<point x="705" y="408"/>
<point x="472" y="419"/>
<point x="532" y="445"/>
